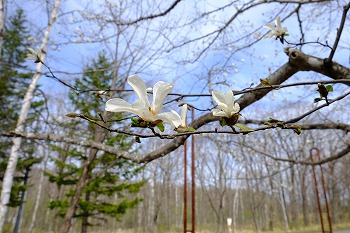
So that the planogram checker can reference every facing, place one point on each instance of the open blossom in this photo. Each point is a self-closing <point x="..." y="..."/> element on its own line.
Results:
<point x="226" y="103"/>
<point x="142" y="107"/>
<point x="34" y="54"/>
<point x="276" y="30"/>
<point x="177" y="120"/>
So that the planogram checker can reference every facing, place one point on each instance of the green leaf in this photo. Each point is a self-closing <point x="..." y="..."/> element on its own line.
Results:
<point x="137" y="139"/>
<point x="181" y="129"/>
<point x="265" y="81"/>
<point x="190" y="129"/>
<point x="135" y="122"/>
<point x="329" y="88"/>
<point x="160" y="126"/>
<point x="296" y="129"/>
<point x="223" y="122"/>
<point x="280" y="124"/>
<point x="244" y="127"/>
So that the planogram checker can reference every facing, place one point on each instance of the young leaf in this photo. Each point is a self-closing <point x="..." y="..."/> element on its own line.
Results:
<point x="137" y="139"/>
<point x="223" y="122"/>
<point x="160" y="126"/>
<point x="265" y="81"/>
<point x="244" y="127"/>
<point x="329" y="88"/>
<point x="296" y="129"/>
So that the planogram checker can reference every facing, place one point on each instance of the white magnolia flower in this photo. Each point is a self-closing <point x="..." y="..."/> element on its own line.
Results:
<point x="177" y="120"/>
<point x="226" y="103"/>
<point x="142" y="107"/>
<point x="34" y="54"/>
<point x="276" y="30"/>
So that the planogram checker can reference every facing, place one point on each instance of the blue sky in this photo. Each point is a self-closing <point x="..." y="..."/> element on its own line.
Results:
<point x="240" y="71"/>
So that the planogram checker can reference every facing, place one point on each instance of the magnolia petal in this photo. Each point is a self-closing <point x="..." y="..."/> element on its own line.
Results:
<point x="219" y="113"/>
<point x="218" y="96"/>
<point x="269" y="26"/>
<point x="229" y="99"/>
<point x="120" y="105"/>
<point x="278" y="22"/>
<point x="184" y="110"/>
<point x="139" y="87"/>
<point x="160" y="91"/>
<point x="236" y="108"/>
<point x="172" y="118"/>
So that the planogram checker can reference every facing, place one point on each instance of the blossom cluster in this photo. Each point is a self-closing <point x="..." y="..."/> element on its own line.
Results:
<point x="149" y="114"/>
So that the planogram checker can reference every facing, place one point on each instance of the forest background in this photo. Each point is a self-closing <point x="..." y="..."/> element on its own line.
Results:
<point x="66" y="164"/>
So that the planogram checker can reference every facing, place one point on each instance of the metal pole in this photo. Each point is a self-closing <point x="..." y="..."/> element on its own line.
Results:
<point x="324" y="192"/>
<point x="193" y="181"/>
<point x="185" y="187"/>
<point x="316" y="187"/>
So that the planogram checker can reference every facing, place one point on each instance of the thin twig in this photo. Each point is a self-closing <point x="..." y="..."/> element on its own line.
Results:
<point x="340" y="30"/>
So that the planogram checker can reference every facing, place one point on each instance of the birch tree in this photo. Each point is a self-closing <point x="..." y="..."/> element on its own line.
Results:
<point x="2" y="21"/>
<point x="13" y="157"/>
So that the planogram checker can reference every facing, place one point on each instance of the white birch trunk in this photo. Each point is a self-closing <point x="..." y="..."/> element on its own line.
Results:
<point x="284" y="211"/>
<point x="235" y="210"/>
<point x="2" y="21"/>
<point x="38" y="196"/>
<point x="13" y="159"/>
<point x="151" y="209"/>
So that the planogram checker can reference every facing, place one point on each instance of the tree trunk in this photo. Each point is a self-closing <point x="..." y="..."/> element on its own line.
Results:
<point x="2" y="21"/>
<point x="38" y="196"/>
<point x="13" y="158"/>
<point x="305" y="204"/>
<point x="82" y="182"/>
<point x="85" y="219"/>
<point x="20" y="208"/>
<point x="283" y="205"/>
<point x="151" y="209"/>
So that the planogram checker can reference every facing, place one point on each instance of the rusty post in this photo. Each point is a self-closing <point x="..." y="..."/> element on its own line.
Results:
<point x="324" y="190"/>
<point x="193" y="180"/>
<point x="316" y="187"/>
<point x="185" y="187"/>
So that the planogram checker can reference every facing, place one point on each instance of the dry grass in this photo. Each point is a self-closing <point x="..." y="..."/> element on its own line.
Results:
<point x="310" y="229"/>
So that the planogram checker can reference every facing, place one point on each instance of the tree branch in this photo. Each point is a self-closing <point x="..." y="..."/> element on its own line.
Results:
<point x="339" y="32"/>
<point x="305" y="62"/>
<point x="152" y="16"/>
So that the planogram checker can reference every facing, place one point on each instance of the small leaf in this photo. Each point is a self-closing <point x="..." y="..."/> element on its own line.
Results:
<point x="329" y="88"/>
<point x="135" y="122"/>
<point x="137" y="139"/>
<point x="244" y="127"/>
<point x="190" y="129"/>
<point x="275" y="121"/>
<point x="280" y="124"/>
<point x="223" y="122"/>
<point x="296" y="129"/>
<point x="265" y="81"/>
<point x="160" y="126"/>
<point x="71" y="115"/>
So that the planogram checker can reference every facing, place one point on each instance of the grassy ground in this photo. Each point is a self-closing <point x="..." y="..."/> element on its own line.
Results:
<point x="310" y="229"/>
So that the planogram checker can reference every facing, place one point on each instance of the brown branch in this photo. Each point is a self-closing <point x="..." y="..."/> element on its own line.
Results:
<point x="339" y="155"/>
<point x="306" y="62"/>
<point x="152" y="16"/>
<point x="328" y="61"/>
<point x="330" y="125"/>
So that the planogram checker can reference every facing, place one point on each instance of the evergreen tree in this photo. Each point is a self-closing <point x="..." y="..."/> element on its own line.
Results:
<point x="108" y="176"/>
<point x="14" y="80"/>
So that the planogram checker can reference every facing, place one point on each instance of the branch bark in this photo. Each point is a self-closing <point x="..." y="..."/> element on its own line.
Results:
<point x="298" y="61"/>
